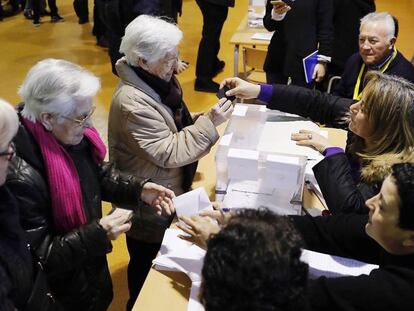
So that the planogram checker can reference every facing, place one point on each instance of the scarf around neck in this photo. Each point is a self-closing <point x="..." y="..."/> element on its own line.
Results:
<point x="63" y="179"/>
<point x="171" y="96"/>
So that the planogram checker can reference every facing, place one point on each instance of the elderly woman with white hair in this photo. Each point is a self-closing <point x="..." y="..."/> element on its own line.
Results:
<point x="152" y="133"/>
<point x="15" y="263"/>
<point x="59" y="178"/>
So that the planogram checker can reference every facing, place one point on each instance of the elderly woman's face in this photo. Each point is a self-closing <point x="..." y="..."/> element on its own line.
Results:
<point x="69" y="129"/>
<point x="165" y="67"/>
<point x="6" y="154"/>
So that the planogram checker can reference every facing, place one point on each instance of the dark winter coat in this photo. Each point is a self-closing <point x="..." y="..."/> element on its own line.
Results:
<point x="75" y="262"/>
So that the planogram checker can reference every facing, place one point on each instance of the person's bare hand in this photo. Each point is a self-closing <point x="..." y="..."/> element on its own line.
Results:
<point x="221" y="215"/>
<point x="181" y="66"/>
<point x="240" y="88"/>
<point x="311" y="139"/>
<point x="199" y="229"/>
<point x="158" y="197"/>
<point x="280" y="7"/>
<point x="319" y="72"/>
<point x="220" y="112"/>
<point x="116" y="223"/>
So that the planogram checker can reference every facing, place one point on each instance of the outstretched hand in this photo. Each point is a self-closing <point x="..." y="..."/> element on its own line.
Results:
<point x="158" y="197"/>
<point x="240" y="88"/>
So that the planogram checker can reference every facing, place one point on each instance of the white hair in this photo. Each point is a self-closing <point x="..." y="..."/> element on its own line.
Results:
<point x="9" y="122"/>
<point x="54" y="86"/>
<point x="380" y="17"/>
<point x="149" y="38"/>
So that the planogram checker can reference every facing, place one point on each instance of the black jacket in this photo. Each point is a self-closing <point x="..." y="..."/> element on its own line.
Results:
<point x="390" y="287"/>
<point x="336" y="178"/>
<point x="347" y="15"/>
<point x="308" y="23"/>
<point x="75" y="262"/>
<point x="15" y="261"/>
<point x="226" y="3"/>
<point x="400" y="67"/>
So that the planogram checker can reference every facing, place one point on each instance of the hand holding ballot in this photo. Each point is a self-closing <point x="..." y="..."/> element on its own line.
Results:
<point x="311" y="139"/>
<point x="116" y="222"/>
<point x="220" y="112"/>
<point x="240" y="88"/>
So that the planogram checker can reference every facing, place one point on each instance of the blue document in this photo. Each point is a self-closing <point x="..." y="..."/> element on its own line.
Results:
<point x="309" y="63"/>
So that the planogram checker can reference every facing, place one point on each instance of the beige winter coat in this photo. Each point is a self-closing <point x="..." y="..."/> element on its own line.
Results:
<point x="144" y="141"/>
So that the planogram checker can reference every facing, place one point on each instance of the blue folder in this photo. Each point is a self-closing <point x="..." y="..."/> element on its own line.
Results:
<point x="309" y="63"/>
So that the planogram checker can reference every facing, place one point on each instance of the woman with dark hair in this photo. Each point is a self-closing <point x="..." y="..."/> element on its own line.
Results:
<point x="384" y="237"/>
<point x="253" y="263"/>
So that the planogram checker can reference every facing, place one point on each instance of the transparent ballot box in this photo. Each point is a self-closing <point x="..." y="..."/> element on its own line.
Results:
<point x="257" y="164"/>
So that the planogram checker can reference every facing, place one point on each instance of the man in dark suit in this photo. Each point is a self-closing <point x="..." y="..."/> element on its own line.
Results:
<point x="377" y="37"/>
<point x="208" y="64"/>
<point x="299" y="29"/>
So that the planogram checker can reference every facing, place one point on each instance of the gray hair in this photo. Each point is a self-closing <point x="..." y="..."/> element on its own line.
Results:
<point x="380" y="17"/>
<point x="54" y="86"/>
<point x="149" y="38"/>
<point x="9" y="123"/>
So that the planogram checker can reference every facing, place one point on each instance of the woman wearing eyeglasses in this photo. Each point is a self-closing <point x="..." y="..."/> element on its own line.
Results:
<point x="59" y="178"/>
<point x="15" y="263"/>
<point x="151" y="131"/>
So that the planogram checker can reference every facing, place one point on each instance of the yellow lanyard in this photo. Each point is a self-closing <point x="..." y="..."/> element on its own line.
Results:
<point x="357" y="94"/>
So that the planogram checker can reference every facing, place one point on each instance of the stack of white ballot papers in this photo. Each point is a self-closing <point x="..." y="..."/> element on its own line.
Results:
<point x="177" y="254"/>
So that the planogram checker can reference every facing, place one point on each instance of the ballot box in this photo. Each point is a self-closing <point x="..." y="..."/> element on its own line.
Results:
<point x="257" y="164"/>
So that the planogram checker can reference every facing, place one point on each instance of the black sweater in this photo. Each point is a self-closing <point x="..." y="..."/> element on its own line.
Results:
<point x="390" y="287"/>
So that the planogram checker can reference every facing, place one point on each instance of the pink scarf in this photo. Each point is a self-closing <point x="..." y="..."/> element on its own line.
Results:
<point x="63" y="178"/>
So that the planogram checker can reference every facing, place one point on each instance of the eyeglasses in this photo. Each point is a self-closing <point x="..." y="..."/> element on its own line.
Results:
<point x="81" y="122"/>
<point x="9" y="154"/>
<point x="171" y="61"/>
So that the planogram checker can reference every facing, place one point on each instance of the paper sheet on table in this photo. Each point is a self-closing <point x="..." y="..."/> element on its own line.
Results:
<point x="334" y="266"/>
<point x="180" y="255"/>
<point x="193" y="303"/>
<point x="276" y="138"/>
<point x="192" y="202"/>
<point x="266" y="36"/>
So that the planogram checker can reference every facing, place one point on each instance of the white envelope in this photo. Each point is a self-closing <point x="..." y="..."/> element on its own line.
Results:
<point x="192" y="202"/>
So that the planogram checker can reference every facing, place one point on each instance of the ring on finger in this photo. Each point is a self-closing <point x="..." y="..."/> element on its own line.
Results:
<point x="309" y="136"/>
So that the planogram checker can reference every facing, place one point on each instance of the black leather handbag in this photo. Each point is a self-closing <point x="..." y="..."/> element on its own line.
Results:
<point x="41" y="297"/>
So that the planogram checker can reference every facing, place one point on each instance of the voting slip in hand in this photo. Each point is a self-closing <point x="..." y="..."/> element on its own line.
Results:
<point x="192" y="202"/>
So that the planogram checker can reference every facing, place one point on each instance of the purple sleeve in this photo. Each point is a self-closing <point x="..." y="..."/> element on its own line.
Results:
<point x="266" y="91"/>
<point x="332" y="150"/>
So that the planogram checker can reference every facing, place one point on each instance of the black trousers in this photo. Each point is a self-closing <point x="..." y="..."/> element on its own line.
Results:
<point x="214" y="17"/>
<point x="37" y="6"/>
<point x="141" y="255"/>
<point x="81" y="9"/>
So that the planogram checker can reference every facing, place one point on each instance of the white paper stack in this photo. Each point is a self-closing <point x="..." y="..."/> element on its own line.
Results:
<point x="177" y="254"/>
